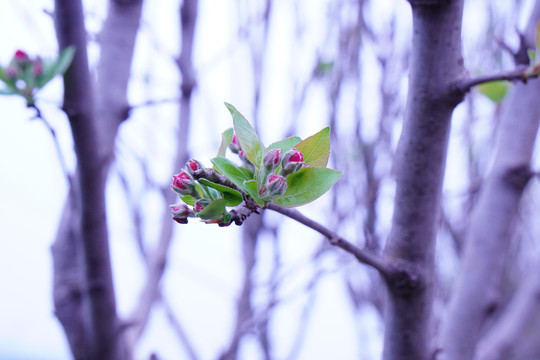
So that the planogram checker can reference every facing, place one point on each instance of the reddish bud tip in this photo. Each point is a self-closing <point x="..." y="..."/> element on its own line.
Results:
<point x="180" y="213"/>
<point x="234" y="146"/>
<point x="200" y="205"/>
<point x="293" y="160"/>
<point x="183" y="184"/>
<point x="193" y="165"/>
<point x="275" y="185"/>
<point x="272" y="159"/>
<point x="20" y="56"/>
<point x="37" y="68"/>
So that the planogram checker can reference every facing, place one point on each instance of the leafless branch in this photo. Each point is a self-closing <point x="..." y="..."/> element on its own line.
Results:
<point x="333" y="238"/>
<point x="518" y="75"/>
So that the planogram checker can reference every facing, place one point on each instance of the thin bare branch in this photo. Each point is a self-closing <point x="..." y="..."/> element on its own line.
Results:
<point x="517" y="75"/>
<point x="334" y="239"/>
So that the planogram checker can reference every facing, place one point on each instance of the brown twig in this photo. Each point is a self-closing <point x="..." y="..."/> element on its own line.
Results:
<point x="334" y="238"/>
<point x="514" y="75"/>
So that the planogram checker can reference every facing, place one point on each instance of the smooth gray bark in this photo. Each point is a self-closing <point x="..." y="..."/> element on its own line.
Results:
<point x="436" y="65"/>
<point x="477" y="293"/>
<point x="101" y="319"/>
<point x="94" y="119"/>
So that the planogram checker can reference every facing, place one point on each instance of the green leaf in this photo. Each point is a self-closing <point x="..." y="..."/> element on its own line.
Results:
<point x="316" y="148"/>
<point x="532" y="55"/>
<point x="307" y="185"/>
<point x="188" y="199"/>
<point x="537" y="36"/>
<point x="226" y="139"/>
<point x="285" y="144"/>
<point x="214" y="210"/>
<point x="324" y="67"/>
<point x="494" y="90"/>
<point x="251" y="190"/>
<point x="57" y="67"/>
<point x="231" y="196"/>
<point x="231" y="171"/>
<point x="248" y="139"/>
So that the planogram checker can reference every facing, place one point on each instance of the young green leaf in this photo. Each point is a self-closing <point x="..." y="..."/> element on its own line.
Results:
<point x="307" y="185"/>
<point x="214" y="210"/>
<point x="532" y="55"/>
<point x="316" y="148"/>
<point x="231" y="171"/>
<point x="226" y="139"/>
<point x="285" y="144"/>
<point x="494" y="90"/>
<point x="57" y="67"/>
<point x="188" y="199"/>
<point x="231" y="196"/>
<point x="537" y="36"/>
<point x="248" y="139"/>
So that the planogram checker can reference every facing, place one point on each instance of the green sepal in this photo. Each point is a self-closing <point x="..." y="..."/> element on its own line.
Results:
<point x="214" y="210"/>
<point x="307" y="185"/>
<point x="316" y="148"/>
<point x="247" y="137"/>
<point x="231" y="196"/>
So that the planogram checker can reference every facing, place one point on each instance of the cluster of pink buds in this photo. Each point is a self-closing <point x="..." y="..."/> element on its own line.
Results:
<point x="21" y="62"/>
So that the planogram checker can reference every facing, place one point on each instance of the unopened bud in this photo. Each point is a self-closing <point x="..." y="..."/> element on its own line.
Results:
<point x="183" y="184"/>
<point x="293" y="160"/>
<point x="37" y="67"/>
<point x="234" y="146"/>
<point x="193" y="165"/>
<point x="201" y="204"/>
<point x="275" y="185"/>
<point x="272" y="159"/>
<point x="12" y="72"/>
<point x="180" y="213"/>
<point x="21" y="57"/>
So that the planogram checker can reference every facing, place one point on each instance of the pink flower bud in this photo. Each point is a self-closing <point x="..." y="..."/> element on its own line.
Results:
<point x="275" y="185"/>
<point x="21" y="57"/>
<point x="183" y="184"/>
<point x="37" y="67"/>
<point x="12" y="72"/>
<point x="180" y="213"/>
<point x="200" y="205"/>
<point x="293" y="160"/>
<point x="234" y="146"/>
<point x="193" y="165"/>
<point x="272" y="159"/>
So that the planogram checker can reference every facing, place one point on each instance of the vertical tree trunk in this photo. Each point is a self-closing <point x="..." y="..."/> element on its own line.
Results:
<point x="436" y="65"/>
<point x="477" y="293"/>
<point x="101" y="320"/>
<point x="94" y="124"/>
